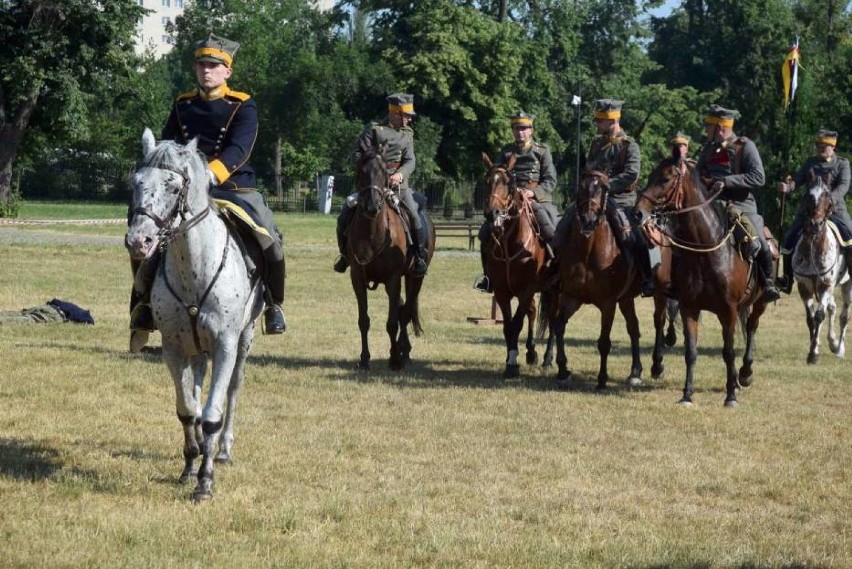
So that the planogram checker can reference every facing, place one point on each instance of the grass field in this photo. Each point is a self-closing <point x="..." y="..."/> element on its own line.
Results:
<point x="444" y="465"/>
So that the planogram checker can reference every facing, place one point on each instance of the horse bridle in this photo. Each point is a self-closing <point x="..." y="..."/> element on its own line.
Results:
<point x="512" y="184"/>
<point x="167" y="232"/>
<point x="600" y="203"/>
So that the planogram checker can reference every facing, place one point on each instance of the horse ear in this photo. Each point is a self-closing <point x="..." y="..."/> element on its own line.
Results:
<point x="148" y="142"/>
<point x="487" y="161"/>
<point x="192" y="146"/>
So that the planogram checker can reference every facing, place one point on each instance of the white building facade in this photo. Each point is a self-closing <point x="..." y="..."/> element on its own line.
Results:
<point x="152" y="34"/>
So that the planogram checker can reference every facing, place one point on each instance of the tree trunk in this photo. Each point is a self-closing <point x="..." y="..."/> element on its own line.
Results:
<point x="279" y="186"/>
<point x="501" y="15"/>
<point x="11" y="135"/>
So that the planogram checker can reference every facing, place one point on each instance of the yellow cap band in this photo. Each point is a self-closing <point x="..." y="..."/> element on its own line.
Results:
<point x="522" y="121"/>
<point x="826" y="140"/>
<point x="407" y="108"/>
<point x="213" y="52"/>
<point x="607" y="114"/>
<point x="680" y="140"/>
<point x="717" y="121"/>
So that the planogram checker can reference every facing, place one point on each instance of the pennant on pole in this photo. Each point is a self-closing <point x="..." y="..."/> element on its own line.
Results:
<point x="790" y="73"/>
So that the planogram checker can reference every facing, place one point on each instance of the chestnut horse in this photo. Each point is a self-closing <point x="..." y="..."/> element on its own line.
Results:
<point x="515" y="260"/>
<point x="819" y="265"/>
<point x="377" y="252"/>
<point x="594" y="270"/>
<point x="711" y="273"/>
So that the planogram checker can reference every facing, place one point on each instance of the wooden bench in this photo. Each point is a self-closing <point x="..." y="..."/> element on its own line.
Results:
<point x="468" y="229"/>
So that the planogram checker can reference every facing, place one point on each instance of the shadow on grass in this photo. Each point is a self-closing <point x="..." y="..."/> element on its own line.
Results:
<point x="28" y="461"/>
<point x="708" y="565"/>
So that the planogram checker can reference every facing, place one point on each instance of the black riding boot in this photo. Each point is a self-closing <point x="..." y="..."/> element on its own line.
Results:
<point x="141" y="318"/>
<point x="342" y="262"/>
<point x="644" y="260"/>
<point x="273" y="315"/>
<point x="785" y="281"/>
<point x="766" y="266"/>
<point x="483" y="284"/>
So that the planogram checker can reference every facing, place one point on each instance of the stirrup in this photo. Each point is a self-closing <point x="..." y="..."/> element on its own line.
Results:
<point x="274" y="322"/>
<point x="785" y="283"/>
<point x="141" y="319"/>
<point x="341" y="264"/>
<point x="483" y="284"/>
<point x="770" y="293"/>
<point x="419" y="267"/>
<point x="138" y="340"/>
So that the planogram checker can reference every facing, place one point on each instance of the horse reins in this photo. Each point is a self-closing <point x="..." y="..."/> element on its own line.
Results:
<point x="168" y="234"/>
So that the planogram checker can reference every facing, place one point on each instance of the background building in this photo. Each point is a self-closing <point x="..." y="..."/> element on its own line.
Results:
<point x="152" y="33"/>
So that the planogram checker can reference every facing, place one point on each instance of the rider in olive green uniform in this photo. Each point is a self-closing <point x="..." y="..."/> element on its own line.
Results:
<point x="617" y="155"/>
<point x="397" y="139"/>
<point x="734" y="166"/>
<point x="535" y="175"/>
<point x="834" y="171"/>
<point x="225" y="123"/>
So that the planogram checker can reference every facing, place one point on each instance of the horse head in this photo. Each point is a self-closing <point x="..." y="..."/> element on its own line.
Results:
<point x="500" y="181"/>
<point x="371" y="178"/>
<point x="591" y="200"/>
<point x="818" y="204"/>
<point x="169" y="185"/>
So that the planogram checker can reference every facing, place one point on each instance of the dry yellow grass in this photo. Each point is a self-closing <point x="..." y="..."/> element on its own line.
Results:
<point x="444" y="465"/>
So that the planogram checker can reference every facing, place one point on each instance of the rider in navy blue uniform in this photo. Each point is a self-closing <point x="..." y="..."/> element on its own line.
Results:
<point x="225" y="123"/>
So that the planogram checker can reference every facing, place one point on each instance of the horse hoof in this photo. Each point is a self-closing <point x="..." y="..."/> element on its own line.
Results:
<point x="185" y="477"/>
<point x="670" y="340"/>
<point x="600" y="388"/>
<point x="532" y="358"/>
<point x="634" y="381"/>
<point x="657" y="372"/>
<point x="223" y="458"/>
<point x="813" y="359"/>
<point x="731" y="403"/>
<point x="685" y="402"/>
<point x="364" y="366"/>
<point x="546" y="365"/>
<point x="200" y="496"/>
<point x="512" y="371"/>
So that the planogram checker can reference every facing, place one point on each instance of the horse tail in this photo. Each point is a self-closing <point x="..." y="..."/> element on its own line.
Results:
<point x="412" y="304"/>
<point x="545" y="307"/>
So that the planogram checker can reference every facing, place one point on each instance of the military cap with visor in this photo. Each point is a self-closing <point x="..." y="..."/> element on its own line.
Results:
<point x="521" y="119"/>
<point x="401" y="102"/>
<point x="608" y="109"/>
<point x="216" y="50"/>
<point x="825" y="136"/>
<point x="680" y="138"/>
<point x="720" y="116"/>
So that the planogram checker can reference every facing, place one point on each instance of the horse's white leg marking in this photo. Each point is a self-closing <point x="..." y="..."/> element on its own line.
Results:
<point x="512" y="358"/>
<point x="226" y="441"/>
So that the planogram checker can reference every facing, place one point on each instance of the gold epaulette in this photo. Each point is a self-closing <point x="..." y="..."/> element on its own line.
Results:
<point x="239" y="95"/>
<point x="187" y="95"/>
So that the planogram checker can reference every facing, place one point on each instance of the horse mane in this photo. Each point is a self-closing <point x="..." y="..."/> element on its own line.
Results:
<point x="171" y="155"/>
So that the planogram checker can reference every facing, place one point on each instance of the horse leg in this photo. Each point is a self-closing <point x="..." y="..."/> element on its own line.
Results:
<point x="226" y="441"/>
<point x="690" y="352"/>
<point x="628" y="310"/>
<point x="830" y="315"/>
<point x="671" y="312"/>
<point x="187" y="407"/>
<point x="746" y="374"/>
<point x="392" y="288"/>
<point x="728" y="320"/>
<point x="224" y="359"/>
<point x="810" y="318"/>
<point x="532" y="355"/>
<point x="363" y="322"/>
<point x="512" y="369"/>
<point x="567" y="309"/>
<point x="605" y="344"/>
<point x="844" y="318"/>
<point x="660" y="306"/>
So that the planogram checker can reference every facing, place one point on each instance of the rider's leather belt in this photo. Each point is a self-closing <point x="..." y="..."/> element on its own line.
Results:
<point x="393" y="165"/>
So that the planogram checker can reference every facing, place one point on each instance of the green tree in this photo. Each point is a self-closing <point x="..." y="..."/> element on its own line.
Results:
<point x="57" y="54"/>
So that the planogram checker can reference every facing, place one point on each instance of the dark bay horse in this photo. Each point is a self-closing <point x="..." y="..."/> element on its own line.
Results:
<point x="711" y="273"/>
<point x="594" y="270"/>
<point x="377" y="252"/>
<point x="819" y="266"/>
<point x="515" y="260"/>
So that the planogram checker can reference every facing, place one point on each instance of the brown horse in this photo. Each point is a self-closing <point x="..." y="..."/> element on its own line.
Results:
<point x="711" y="273"/>
<point x="594" y="270"/>
<point x="515" y="260"/>
<point x="376" y="250"/>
